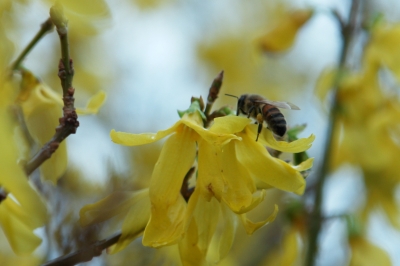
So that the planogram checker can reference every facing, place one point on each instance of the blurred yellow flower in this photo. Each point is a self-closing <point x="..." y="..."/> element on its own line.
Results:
<point x="287" y="253"/>
<point x="282" y="37"/>
<point x="382" y="49"/>
<point x="229" y="161"/>
<point x="87" y="17"/>
<point x="135" y="206"/>
<point x="368" y="121"/>
<point x="365" y="253"/>
<point x="21" y="211"/>
<point x="8" y="258"/>
<point x="381" y="193"/>
<point x="42" y="108"/>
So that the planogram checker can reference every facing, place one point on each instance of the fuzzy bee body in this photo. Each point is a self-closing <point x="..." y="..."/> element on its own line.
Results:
<point x="275" y="119"/>
<point x="261" y="109"/>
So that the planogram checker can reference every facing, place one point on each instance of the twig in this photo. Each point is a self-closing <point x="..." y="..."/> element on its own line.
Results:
<point x="213" y="92"/>
<point x="316" y="218"/>
<point x="69" y="122"/>
<point x="46" y="27"/>
<point x="85" y="254"/>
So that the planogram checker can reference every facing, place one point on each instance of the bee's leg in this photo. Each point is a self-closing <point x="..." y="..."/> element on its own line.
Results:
<point x="243" y="112"/>
<point x="238" y="110"/>
<point x="260" y="124"/>
<point x="259" y="131"/>
<point x="250" y="111"/>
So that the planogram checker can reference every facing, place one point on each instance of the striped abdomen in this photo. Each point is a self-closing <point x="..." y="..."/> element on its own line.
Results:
<point x="275" y="119"/>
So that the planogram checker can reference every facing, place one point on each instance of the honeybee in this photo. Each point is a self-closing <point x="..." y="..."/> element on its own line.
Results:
<point x="261" y="109"/>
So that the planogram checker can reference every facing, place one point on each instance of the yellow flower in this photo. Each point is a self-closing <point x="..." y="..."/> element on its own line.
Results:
<point x="22" y="210"/>
<point x="86" y="18"/>
<point x="382" y="49"/>
<point x="229" y="160"/>
<point x="287" y="253"/>
<point x="42" y="108"/>
<point x="367" y="129"/>
<point x="367" y="120"/>
<point x="283" y="35"/>
<point x="381" y="193"/>
<point x="365" y="253"/>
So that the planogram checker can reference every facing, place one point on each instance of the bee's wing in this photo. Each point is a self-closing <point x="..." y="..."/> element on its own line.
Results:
<point x="284" y="105"/>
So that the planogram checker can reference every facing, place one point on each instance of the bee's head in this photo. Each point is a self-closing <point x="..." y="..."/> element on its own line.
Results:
<point x="240" y="103"/>
<point x="242" y="100"/>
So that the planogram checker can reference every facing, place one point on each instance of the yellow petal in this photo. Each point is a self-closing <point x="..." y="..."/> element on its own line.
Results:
<point x="239" y="186"/>
<point x="166" y="223"/>
<point x="224" y="240"/>
<point x="287" y="253"/>
<point x="19" y="212"/>
<point x="93" y="9"/>
<point x="87" y="18"/>
<point x="134" y="223"/>
<point x="20" y="236"/>
<point x="282" y="37"/>
<point x="263" y="166"/>
<point x="189" y="251"/>
<point x="206" y="216"/>
<point x="93" y="105"/>
<point x="365" y="253"/>
<point x="384" y="38"/>
<point x="53" y="168"/>
<point x="305" y="165"/>
<point x="34" y="93"/>
<point x="267" y="139"/>
<point x="221" y="175"/>
<point x="41" y="116"/>
<point x="118" y="202"/>
<point x="229" y="124"/>
<point x="191" y="207"/>
<point x="209" y="181"/>
<point x="257" y="198"/>
<point x="13" y="178"/>
<point x="251" y="227"/>
<point x="324" y="83"/>
<point x="213" y="137"/>
<point x="42" y="110"/>
<point x="129" y="139"/>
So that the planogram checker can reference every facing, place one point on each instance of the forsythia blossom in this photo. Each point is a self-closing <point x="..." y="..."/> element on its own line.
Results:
<point x="282" y="37"/>
<point x="42" y="108"/>
<point x="229" y="161"/>
<point x="368" y="121"/>
<point x="21" y="211"/>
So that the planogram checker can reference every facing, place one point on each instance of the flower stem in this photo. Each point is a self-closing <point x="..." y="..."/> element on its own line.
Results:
<point x="213" y="92"/>
<point x="46" y="27"/>
<point x="316" y="217"/>
<point x="58" y="18"/>
<point x="69" y="122"/>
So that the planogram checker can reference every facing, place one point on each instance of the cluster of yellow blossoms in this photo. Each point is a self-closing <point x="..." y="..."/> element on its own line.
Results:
<point x="367" y="131"/>
<point x="230" y="164"/>
<point x="22" y="209"/>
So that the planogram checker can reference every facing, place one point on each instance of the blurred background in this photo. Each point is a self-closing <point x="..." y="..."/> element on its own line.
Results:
<point x="151" y="57"/>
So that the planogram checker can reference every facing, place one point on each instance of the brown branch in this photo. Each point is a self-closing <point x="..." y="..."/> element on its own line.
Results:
<point x="316" y="219"/>
<point x="85" y="254"/>
<point x="69" y="122"/>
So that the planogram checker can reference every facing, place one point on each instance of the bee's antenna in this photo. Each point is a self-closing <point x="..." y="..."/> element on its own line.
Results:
<point x="232" y="95"/>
